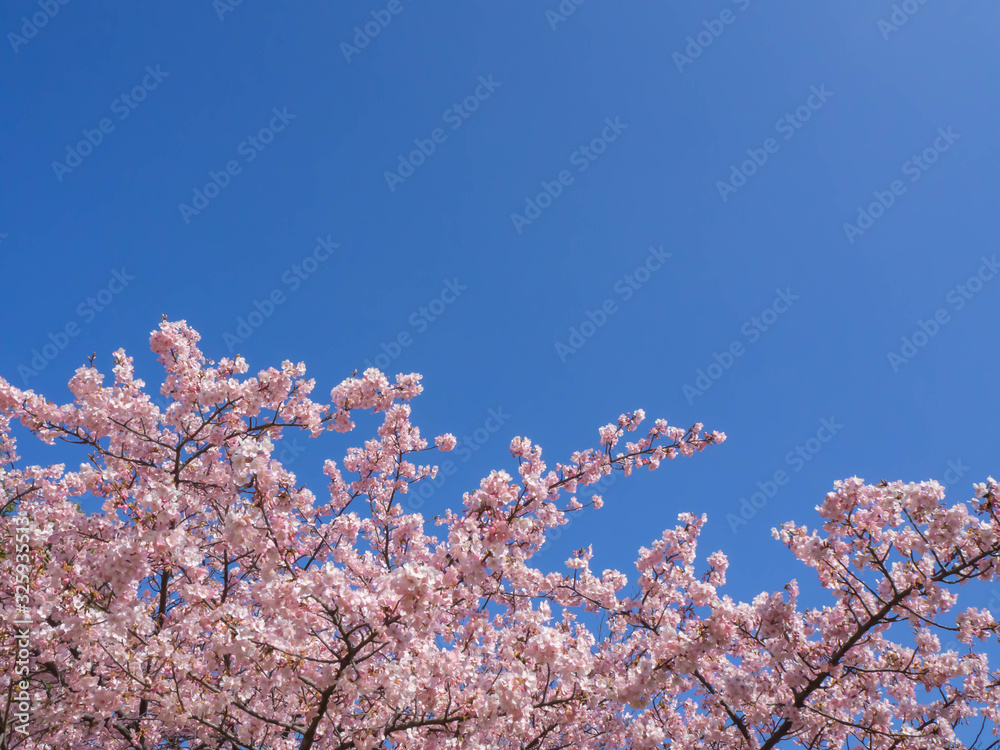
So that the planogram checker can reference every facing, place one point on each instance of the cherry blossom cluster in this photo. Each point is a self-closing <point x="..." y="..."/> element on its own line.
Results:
<point x="217" y="602"/>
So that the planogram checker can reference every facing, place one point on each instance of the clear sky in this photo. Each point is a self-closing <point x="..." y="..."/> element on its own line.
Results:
<point x="557" y="217"/>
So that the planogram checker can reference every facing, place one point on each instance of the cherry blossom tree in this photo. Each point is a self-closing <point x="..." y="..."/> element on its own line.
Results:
<point x="216" y="602"/>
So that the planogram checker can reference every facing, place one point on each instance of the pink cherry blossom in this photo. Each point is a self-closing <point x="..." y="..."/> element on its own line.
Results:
<point x="446" y="442"/>
<point x="217" y="602"/>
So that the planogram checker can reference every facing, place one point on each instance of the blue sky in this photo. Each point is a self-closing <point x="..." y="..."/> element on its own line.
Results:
<point x="689" y="168"/>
